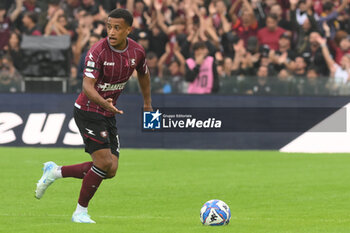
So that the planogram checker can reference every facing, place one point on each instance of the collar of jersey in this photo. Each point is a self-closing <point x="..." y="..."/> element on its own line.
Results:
<point x="116" y="50"/>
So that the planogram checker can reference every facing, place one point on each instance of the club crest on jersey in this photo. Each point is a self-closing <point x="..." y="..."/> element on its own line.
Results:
<point x="132" y="62"/>
<point x="111" y="87"/>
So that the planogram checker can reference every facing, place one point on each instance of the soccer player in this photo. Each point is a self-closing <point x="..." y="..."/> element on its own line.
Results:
<point x="108" y="66"/>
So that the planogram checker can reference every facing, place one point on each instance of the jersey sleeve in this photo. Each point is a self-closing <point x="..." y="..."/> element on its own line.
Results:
<point x="93" y="63"/>
<point x="142" y="64"/>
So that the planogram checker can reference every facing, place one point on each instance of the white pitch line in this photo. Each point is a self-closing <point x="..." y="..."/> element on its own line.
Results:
<point x="97" y="216"/>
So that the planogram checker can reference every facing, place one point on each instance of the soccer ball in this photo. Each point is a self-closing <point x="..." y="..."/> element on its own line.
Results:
<point x="215" y="213"/>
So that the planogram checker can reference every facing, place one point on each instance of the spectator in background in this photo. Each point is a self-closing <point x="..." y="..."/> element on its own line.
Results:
<point x="270" y="34"/>
<point x="14" y="50"/>
<point x="300" y="67"/>
<point x="302" y="27"/>
<point x="6" y="22"/>
<point x="344" y="19"/>
<point x="301" y="8"/>
<point x="285" y="83"/>
<point x="340" y="73"/>
<point x="137" y="9"/>
<point x="201" y="71"/>
<point x="342" y="47"/>
<point x="46" y="16"/>
<point x="30" y="20"/>
<point x="252" y="57"/>
<point x="172" y="53"/>
<point x="330" y="14"/>
<point x="90" y="6"/>
<point x="58" y="25"/>
<point x="262" y="85"/>
<point x="172" y="72"/>
<point x="246" y="26"/>
<point x="152" y="63"/>
<point x="284" y="56"/>
<point x="158" y="40"/>
<point x="27" y="6"/>
<point x="74" y="83"/>
<point x="314" y="85"/>
<point x="32" y="6"/>
<point x="143" y="39"/>
<point x="10" y="79"/>
<point x="84" y="32"/>
<point x="227" y="41"/>
<point x="70" y="8"/>
<point x="240" y="53"/>
<point x="313" y="55"/>
<point x="276" y="9"/>
<point x="173" y="76"/>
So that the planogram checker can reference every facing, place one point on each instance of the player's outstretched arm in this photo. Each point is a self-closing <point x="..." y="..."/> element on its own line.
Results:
<point x="92" y="94"/>
<point x="145" y="85"/>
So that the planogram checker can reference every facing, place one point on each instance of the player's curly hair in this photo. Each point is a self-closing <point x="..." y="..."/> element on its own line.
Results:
<point x="122" y="13"/>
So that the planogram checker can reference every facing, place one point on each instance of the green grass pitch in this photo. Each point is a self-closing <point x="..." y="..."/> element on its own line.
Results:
<point x="163" y="191"/>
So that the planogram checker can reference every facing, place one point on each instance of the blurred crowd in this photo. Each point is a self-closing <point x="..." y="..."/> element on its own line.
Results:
<point x="260" y="47"/>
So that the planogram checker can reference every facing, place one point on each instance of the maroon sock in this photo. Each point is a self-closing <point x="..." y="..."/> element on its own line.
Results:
<point x="90" y="184"/>
<point x="76" y="170"/>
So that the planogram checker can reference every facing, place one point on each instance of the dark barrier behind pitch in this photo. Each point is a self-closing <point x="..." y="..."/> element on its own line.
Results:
<point x="129" y="124"/>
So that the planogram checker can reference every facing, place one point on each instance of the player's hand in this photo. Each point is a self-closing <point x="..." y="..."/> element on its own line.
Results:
<point x="110" y="107"/>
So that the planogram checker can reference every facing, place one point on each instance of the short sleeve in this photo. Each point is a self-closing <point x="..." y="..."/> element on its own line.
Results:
<point x="142" y="64"/>
<point x="93" y="63"/>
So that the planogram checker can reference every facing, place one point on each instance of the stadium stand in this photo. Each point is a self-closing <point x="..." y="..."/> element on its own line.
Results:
<point x="261" y="47"/>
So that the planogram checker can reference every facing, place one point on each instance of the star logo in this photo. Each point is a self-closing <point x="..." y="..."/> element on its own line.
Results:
<point x="156" y="115"/>
<point x="152" y="120"/>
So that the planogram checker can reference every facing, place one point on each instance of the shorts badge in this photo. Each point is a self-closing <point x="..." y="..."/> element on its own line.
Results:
<point x="104" y="134"/>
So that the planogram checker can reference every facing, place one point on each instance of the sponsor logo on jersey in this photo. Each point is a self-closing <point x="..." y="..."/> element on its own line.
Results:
<point x="106" y="63"/>
<point x="111" y="87"/>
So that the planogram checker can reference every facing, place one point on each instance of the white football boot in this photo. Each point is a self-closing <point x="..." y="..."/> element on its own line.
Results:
<point x="47" y="179"/>
<point x="82" y="217"/>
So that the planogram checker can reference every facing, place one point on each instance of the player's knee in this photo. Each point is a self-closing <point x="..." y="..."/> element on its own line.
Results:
<point x="111" y="174"/>
<point x="104" y="162"/>
<point x="108" y="163"/>
<point x="112" y="171"/>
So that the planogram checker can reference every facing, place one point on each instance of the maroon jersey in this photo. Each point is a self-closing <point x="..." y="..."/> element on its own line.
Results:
<point x="112" y="69"/>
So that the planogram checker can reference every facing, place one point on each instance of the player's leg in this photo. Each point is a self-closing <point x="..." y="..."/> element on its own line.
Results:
<point x="90" y="126"/>
<point x="115" y="147"/>
<point x="102" y="163"/>
<point x="76" y="170"/>
<point x="105" y="165"/>
<point x="113" y="170"/>
<point x="52" y="172"/>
